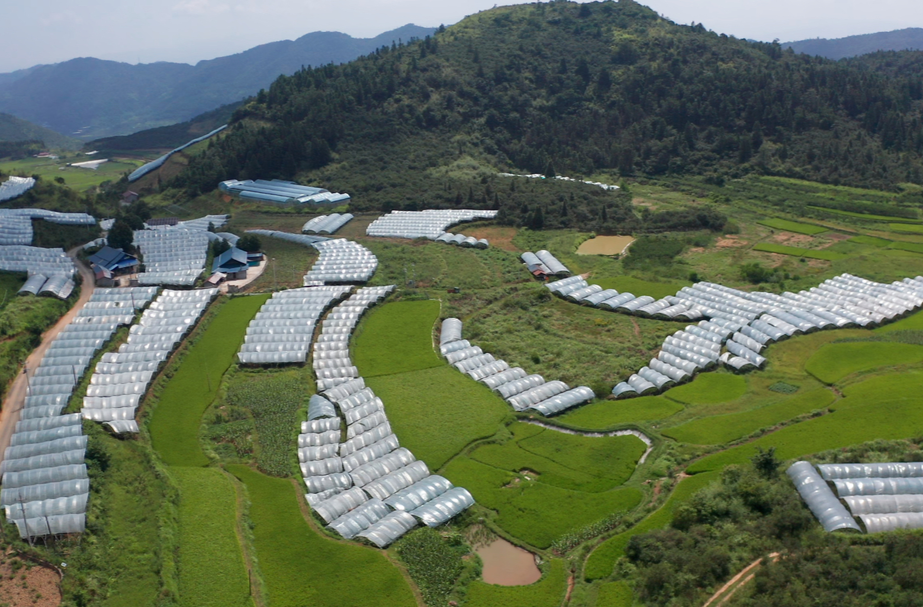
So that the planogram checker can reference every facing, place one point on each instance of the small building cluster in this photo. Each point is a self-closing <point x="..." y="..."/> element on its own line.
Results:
<point x="286" y="192"/>
<point x="521" y="390"/>
<point x="543" y="264"/>
<point x="327" y="224"/>
<point x="877" y="497"/>
<point x="430" y="224"/>
<point x="109" y="263"/>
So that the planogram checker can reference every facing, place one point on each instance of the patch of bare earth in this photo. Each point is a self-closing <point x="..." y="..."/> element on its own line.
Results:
<point x="793" y="240"/>
<point x="730" y="241"/>
<point x="499" y="237"/>
<point x="23" y="583"/>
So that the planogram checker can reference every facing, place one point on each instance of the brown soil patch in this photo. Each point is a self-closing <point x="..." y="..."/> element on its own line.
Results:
<point x="637" y="327"/>
<point x="641" y="202"/>
<point x="793" y="240"/>
<point x="23" y="583"/>
<point x="730" y="241"/>
<point x="697" y="250"/>
<point x="497" y="236"/>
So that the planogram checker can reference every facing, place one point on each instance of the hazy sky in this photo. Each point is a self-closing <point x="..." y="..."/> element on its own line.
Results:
<point x="48" y="31"/>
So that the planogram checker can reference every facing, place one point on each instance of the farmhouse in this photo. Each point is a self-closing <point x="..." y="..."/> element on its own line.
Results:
<point x="233" y="263"/>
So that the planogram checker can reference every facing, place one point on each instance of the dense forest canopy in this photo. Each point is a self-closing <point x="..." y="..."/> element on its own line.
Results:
<point x="576" y="89"/>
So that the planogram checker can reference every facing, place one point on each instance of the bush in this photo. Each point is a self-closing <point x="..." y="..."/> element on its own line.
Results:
<point x="249" y="243"/>
<point x="755" y="273"/>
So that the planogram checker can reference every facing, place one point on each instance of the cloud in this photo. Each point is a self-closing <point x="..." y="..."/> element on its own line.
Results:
<point x="200" y="7"/>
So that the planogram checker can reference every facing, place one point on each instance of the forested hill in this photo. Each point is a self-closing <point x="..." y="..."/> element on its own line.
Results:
<point x="575" y="88"/>
<point x="13" y="129"/>
<point x="909" y="39"/>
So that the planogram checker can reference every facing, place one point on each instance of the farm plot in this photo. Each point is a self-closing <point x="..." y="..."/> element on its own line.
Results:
<point x="709" y="389"/>
<point x="888" y="407"/>
<point x="174" y="425"/>
<point x="438" y="412"/>
<point x="721" y="429"/>
<point x="835" y="361"/>
<point x="300" y="567"/>
<point x="604" y="415"/>
<point x="793" y="226"/>
<point x="767" y="247"/>
<point x="602" y="560"/>
<point x="547" y="592"/>
<point x="212" y="570"/>
<point x="533" y="511"/>
<point x="905" y="228"/>
<point x="396" y="338"/>
<point x="564" y="460"/>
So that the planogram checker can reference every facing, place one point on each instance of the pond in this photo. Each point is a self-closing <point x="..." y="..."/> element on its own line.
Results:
<point x="508" y="565"/>
<point x="605" y="245"/>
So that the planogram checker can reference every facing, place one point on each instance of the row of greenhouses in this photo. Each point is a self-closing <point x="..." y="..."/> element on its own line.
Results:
<point x="44" y="484"/>
<point x="862" y="497"/>
<point x="121" y="378"/>
<point x="366" y="486"/>
<point x="283" y="329"/>
<point x="16" y="224"/>
<point x="36" y="260"/>
<point x="429" y="224"/>
<point x="327" y="224"/>
<point x="172" y="256"/>
<point x="517" y="387"/>
<point x="544" y="263"/>
<point x="58" y="285"/>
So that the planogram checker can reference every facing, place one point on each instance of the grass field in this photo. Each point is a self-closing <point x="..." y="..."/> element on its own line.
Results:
<point x="870" y="240"/>
<point x="606" y="414"/>
<point x="905" y="228"/>
<point x="913" y="247"/>
<point x="174" y="425"/>
<point x="867" y="216"/>
<point x="75" y="177"/>
<point x="638" y="287"/>
<point x="547" y="592"/>
<point x="601" y="561"/>
<point x="535" y="512"/>
<point x="793" y="226"/>
<point x="615" y="594"/>
<point x="301" y="567"/>
<point x="564" y="460"/>
<point x="835" y="361"/>
<point x="292" y="262"/>
<point x="10" y="283"/>
<point x="710" y="388"/>
<point x="720" y="429"/>
<point x="888" y="407"/>
<point x="766" y="247"/>
<point x="437" y="412"/>
<point x="212" y="570"/>
<point x="396" y="338"/>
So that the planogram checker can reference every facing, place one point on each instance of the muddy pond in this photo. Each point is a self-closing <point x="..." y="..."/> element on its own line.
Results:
<point x="507" y="565"/>
<point x="605" y="245"/>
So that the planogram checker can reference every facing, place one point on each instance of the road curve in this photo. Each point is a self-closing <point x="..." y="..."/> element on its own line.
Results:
<point x="16" y="395"/>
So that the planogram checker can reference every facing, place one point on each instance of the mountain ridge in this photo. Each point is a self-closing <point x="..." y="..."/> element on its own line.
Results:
<point x="91" y="98"/>
<point x="910" y="38"/>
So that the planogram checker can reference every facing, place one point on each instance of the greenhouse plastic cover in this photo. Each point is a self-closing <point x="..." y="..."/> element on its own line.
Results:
<point x="890" y="470"/>
<point x="878" y="523"/>
<point x="384" y="532"/>
<point x="14" y="187"/>
<point x="884" y="504"/>
<point x="444" y="507"/>
<point x="429" y="224"/>
<point x="819" y="498"/>
<point x="360" y="518"/>
<point x="419" y="493"/>
<point x="327" y="224"/>
<point x="377" y="468"/>
<point x="35" y="260"/>
<point x="74" y="504"/>
<point x="319" y="407"/>
<point x="878" y="486"/>
<point x="156" y="164"/>
<point x="393" y="482"/>
<point x="341" y="503"/>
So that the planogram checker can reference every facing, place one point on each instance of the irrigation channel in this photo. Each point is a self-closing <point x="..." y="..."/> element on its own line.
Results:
<point x="647" y="441"/>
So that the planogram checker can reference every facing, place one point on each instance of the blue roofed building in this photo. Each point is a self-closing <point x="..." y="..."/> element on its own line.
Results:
<point x="233" y="263"/>
<point x="114" y="261"/>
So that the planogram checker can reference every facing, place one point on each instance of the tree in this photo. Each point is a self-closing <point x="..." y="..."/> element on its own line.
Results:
<point x="765" y="462"/>
<point x="220" y="246"/>
<point x="249" y="243"/>
<point x="538" y="219"/>
<point x="121" y="235"/>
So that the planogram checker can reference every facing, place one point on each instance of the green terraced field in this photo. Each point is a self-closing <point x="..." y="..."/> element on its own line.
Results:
<point x="174" y="425"/>
<point x="913" y="247"/>
<point x="870" y="240"/>
<point x="867" y="216"/>
<point x="835" y="361"/>
<point x="603" y="558"/>
<point x="905" y="228"/>
<point x="709" y="389"/>
<point x="212" y="571"/>
<point x="607" y="414"/>
<point x="564" y="460"/>
<point x="302" y="567"/>
<point x="533" y="511"/>
<point x="887" y="407"/>
<point x="437" y="412"/>
<point x="396" y="338"/>
<point x="720" y="429"/>
<point x="797" y="252"/>
<point x="615" y="594"/>
<point x="547" y="592"/>
<point x="793" y="226"/>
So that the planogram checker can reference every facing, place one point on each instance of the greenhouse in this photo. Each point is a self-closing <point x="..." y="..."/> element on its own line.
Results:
<point x="172" y="256"/>
<point x="522" y="391"/>
<point x="156" y="164"/>
<point x="387" y="530"/>
<point x="35" y="260"/>
<point x="327" y="224"/>
<point x="280" y="191"/>
<point x="121" y="378"/>
<point x="429" y="224"/>
<point x="14" y="187"/>
<point x="341" y="261"/>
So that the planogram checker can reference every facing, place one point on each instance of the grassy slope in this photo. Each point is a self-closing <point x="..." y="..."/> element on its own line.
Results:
<point x="833" y="362"/>
<point x="793" y="226"/>
<point x="174" y="426"/>
<point x="300" y="567"/>
<point x="608" y="414"/>
<point x="393" y="339"/>
<point x="710" y="388"/>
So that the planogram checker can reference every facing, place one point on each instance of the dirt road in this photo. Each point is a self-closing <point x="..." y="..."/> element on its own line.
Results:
<point x="15" y="397"/>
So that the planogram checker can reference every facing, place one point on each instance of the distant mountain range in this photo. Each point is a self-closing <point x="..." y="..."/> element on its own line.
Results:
<point x="910" y="39"/>
<point x="16" y="129"/>
<point x="90" y="98"/>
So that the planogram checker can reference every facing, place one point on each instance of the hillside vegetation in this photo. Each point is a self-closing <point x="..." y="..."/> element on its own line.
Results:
<point x="605" y="89"/>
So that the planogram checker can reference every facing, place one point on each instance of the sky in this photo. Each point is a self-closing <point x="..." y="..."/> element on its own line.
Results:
<point x="188" y="31"/>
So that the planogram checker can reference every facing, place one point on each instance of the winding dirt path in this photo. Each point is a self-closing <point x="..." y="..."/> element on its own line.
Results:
<point x="16" y="395"/>
<point x="727" y="591"/>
